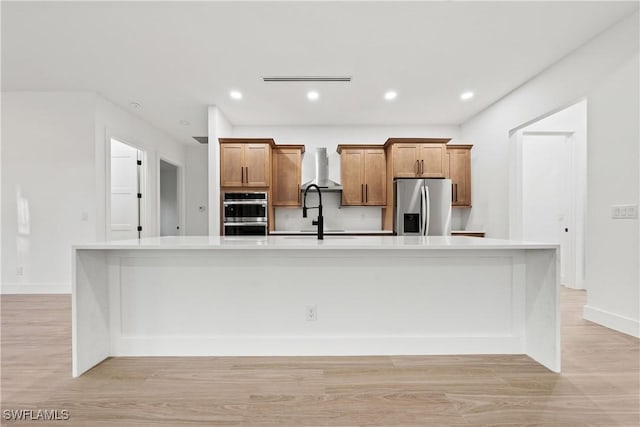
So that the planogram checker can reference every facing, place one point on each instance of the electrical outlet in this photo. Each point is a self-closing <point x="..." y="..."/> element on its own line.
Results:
<point x="19" y="271"/>
<point x="311" y="313"/>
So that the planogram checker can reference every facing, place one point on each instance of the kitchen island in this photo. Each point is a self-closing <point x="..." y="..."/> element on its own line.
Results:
<point x="295" y="295"/>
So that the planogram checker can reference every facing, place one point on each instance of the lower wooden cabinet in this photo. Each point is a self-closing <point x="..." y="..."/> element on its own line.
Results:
<point x="286" y="162"/>
<point x="363" y="175"/>
<point x="459" y="172"/>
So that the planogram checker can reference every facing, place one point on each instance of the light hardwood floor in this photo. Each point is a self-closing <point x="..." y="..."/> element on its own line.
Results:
<point x="599" y="384"/>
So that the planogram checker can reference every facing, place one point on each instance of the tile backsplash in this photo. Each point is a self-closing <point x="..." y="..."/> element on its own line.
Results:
<point x="336" y="217"/>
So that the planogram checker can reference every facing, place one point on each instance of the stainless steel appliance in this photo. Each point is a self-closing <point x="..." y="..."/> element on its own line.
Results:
<point x="422" y="207"/>
<point x="244" y="214"/>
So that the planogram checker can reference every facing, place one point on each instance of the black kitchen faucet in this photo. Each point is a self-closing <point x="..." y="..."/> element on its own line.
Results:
<point x="320" y="221"/>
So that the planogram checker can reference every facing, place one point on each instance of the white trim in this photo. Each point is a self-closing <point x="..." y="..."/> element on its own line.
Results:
<point x="619" y="323"/>
<point x="181" y="192"/>
<point x="36" y="288"/>
<point x="260" y="345"/>
<point x="144" y="188"/>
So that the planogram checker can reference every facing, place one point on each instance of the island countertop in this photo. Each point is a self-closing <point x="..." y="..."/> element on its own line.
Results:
<point x="368" y="295"/>
<point x="305" y="242"/>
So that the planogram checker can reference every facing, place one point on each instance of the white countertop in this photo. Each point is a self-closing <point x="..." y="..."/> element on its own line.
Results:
<point x="304" y="242"/>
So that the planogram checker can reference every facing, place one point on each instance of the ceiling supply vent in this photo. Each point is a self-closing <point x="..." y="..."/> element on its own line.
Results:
<point x="322" y="173"/>
<point x="307" y="79"/>
<point x="202" y="139"/>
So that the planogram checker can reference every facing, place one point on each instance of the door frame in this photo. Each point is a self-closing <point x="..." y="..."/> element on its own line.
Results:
<point x="144" y="189"/>
<point x="516" y="190"/>
<point x="181" y="192"/>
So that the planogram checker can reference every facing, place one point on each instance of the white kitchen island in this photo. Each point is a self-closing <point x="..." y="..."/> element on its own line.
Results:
<point x="374" y="295"/>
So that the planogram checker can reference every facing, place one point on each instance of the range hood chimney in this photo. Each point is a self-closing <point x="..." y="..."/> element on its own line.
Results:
<point x="321" y="178"/>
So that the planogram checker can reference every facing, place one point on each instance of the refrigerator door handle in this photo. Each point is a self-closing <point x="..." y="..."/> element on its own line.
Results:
<point x="427" y="210"/>
<point x="423" y="211"/>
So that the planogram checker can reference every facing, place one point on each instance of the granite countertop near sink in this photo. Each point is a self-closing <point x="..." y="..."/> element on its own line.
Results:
<point x="333" y="232"/>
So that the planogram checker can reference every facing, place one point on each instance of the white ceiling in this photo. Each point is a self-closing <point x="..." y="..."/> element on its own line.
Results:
<point x="175" y="59"/>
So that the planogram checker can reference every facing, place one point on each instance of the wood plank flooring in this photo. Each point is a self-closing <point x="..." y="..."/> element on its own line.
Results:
<point x="599" y="384"/>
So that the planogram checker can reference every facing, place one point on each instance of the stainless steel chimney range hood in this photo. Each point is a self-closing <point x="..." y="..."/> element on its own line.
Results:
<point x="321" y="178"/>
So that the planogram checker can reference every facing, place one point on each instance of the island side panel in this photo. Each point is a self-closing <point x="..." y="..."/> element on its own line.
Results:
<point x="90" y="310"/>
<point x="542" y="324"/>
<point x="253" y="302"/>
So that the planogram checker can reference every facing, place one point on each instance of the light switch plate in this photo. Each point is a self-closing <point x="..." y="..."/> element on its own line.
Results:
<point x="624" y="211"/>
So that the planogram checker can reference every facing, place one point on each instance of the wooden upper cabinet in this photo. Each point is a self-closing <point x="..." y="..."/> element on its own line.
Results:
<point x="375" y="177"/>
<point x="351" y="173"/>
<point x="405" y="160"/>
<point x="363" y="175"/>
<point x="245" y="162"/>
<point x="433" y="160"/>
<point x="459" y="157"/>
<point x="257" y="165"/>
<point x="418" y="157"/>
<point x="286" y="168"/>
<point x="231" y="165"/>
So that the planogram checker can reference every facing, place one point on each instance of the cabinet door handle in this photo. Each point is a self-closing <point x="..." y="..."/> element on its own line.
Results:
<point x="299" y="193"/>
<point x="417" y="167"/>
<point x="421" y="167"/>
<point x="246" y="170"/>
<point x="361" y="192"/>
<point x="455" y="192"/>
<point x="366" y="193"/>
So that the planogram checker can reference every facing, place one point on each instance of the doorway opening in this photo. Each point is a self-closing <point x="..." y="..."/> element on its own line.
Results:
<point x="548" y="171"/>
<point x="169" y="188"/>
<point x="126" y="206"/>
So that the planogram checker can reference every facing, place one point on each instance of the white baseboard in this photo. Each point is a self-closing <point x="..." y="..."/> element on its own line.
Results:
<point x="36" y="288"/>
<point x="623" y="324"/>
<point x="315" y="346"/>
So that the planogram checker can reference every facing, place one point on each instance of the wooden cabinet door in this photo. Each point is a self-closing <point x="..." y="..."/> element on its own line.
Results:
<point x="460" y="173"/>
<point x="405" y="160"/>
<point x="351" y="175"/>
<point x="375" y="177"/>
<point x="432" y="160"/>
<point x="256" y="163"/>
<point x="231" y="165"/>
<point x="286" y="179"/>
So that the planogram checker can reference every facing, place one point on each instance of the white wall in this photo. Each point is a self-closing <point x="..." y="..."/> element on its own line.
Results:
<point x="605" y="72"/>
<point x="346" y="218"/>
<point x="55" y="185"/>
<point x="219" y="127"/>
<point x="196" y="190"/>
<point x="112" y="121"/>
<point x="613" y="245"/>
<point x="48" y="187"/>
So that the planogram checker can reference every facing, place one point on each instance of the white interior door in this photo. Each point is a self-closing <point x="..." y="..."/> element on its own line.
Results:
<point x="547" y="196"/>
<point x="169" y="200"/>
<point x="125" y="186"/>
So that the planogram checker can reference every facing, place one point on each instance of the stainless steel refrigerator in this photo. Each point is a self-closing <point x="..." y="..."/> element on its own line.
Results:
<point x="422" y="207"/>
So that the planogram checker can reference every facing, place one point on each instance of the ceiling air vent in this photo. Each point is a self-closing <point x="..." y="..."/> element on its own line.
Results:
<point x="307" y="79"/>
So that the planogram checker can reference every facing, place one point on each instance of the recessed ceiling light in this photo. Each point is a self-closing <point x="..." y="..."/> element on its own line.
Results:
<point x="390" y="95"/>
<point x="312" y="95"/>
<point x="235" y="94"/>
<point x="466" y="95"/>
<point x="184" y="123"/>
<point x="135" y="105"/>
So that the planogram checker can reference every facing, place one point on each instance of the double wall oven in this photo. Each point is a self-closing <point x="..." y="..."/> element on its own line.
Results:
<point x="244" y="214"/>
